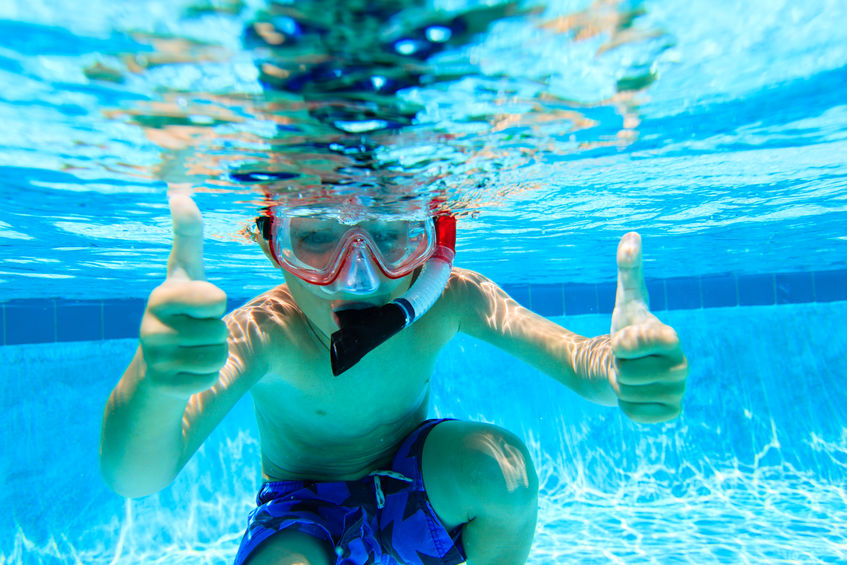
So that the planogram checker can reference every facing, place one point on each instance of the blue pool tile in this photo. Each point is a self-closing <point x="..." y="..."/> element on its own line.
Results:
<point x="719" y="291"/>
<point x="79" y="321"/>
<point x="756" y="290"/>
<point x="580" y="299"/>
<point x="30" y="321"/>
<point x="794" y="288"/>
<point x="122" y="317"/>
<point x="606" y="297"/>
<point x="683" y="293"/>
<point x="520" y="292"/>
<point x="235" y="302"/>
<point x="830" y="285"/>
<point x="658" y="296"/>
<point x="547" y="299"/>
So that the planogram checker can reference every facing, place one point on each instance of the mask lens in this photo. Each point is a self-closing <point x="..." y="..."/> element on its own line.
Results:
<point x="390" y="238"/>
<point x="401" y="244"/>
<point x="312" y="243"/>
<point x="314" y="248"/>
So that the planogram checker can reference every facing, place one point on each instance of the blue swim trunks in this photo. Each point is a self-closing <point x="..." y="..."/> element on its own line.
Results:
<point x="384" y="518"/>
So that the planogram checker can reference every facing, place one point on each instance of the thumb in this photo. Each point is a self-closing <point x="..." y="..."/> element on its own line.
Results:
<point x="186" y="258"/>
<point x="631" y="300"/>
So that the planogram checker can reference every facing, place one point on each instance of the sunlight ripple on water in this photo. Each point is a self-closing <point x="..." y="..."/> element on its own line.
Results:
<point x="552" y="118"/>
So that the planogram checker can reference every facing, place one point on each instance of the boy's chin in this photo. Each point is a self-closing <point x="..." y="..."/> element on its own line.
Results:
<point x="358" y="303"/>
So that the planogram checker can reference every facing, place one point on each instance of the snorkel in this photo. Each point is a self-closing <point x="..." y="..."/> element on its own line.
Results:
<point x="363" y="330"/>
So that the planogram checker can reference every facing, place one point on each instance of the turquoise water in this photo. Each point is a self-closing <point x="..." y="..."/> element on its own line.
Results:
<point x="717" y="130"/>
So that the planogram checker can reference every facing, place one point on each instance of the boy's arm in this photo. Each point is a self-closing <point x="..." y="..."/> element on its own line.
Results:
<point x="189" y="370"/>
<point x="150" y="432"/>
<point x="640" y="365"/>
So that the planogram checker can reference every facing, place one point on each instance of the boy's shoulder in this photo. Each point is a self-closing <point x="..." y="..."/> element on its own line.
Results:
<point x="271" y="308"/>
<point x="464" y="281"/>
<point x="464" y="291"/>
<point x="262" y="328"/>
<point x="466" y="276"/>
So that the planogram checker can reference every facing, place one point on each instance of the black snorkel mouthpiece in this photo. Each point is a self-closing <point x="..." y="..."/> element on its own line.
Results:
<point x="363" y="330"/>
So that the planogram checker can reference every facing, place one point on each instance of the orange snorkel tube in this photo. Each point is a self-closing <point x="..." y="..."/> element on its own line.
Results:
<point x="361" y="331"/>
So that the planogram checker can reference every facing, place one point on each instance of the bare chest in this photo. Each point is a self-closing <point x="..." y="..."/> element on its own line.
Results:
<point x="315" y="425"/>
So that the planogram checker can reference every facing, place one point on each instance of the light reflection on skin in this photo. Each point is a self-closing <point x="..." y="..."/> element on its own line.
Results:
<point x="641" y="367"/>
<point x="247" y="334"/>
<point x="509" y="458"/>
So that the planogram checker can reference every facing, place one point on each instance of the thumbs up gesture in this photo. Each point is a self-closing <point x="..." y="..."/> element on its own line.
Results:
<point x="183" y="339"/>
<point x="649" y="369"/>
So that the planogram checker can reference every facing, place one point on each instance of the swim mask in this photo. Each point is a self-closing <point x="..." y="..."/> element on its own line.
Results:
<point x="343" y="253"/>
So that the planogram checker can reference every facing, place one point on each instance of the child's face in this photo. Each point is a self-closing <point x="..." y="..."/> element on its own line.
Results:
<point x="318" y="305"/>
<point x="346" y="260"/>
<point x="318" y="302"/>
<point x="336" y="253"/>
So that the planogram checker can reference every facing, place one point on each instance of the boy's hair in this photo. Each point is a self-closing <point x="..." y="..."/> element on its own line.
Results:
<point x="263" y="223"/>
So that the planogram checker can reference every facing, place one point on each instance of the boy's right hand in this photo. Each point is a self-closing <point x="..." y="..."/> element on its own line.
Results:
<point x="183" y="338"/>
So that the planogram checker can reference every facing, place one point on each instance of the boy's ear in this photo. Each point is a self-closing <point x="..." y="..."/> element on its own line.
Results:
<point x="263" y="224"/>
<point x="262" y="236"/>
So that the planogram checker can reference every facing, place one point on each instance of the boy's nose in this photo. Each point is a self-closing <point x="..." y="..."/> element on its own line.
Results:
<point x="358" y="273"/>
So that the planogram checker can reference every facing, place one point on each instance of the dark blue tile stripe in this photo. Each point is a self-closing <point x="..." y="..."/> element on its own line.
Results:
<point x="830" y="285"/>
<point x="30" y="321"/>
<point x="79" y="321"/>
<point x="122" y="318"/>
<point x="658" y="294"/>
<point x="54" y="319"/>
<point x="756" y="290"/>
<point x="794" y="288"/>
<point x="548" y="299"/>
<point x="520" y="292"/>
<point x="684" y="293"/>
<point x="580" y="299"/>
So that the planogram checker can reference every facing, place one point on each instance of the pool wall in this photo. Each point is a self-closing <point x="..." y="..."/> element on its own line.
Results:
<point x="763" y="431"/>
<point x="45" y="320"/>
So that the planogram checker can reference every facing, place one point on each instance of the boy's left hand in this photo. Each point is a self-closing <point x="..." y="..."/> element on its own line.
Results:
<point x="649" y="370"/>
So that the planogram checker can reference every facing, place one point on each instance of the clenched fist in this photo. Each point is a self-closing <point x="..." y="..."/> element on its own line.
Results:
<point x="649" y="369"/>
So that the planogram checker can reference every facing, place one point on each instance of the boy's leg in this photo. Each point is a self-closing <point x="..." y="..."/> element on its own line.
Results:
<point x="482" y="476"/>
<point x="291" y="547"/>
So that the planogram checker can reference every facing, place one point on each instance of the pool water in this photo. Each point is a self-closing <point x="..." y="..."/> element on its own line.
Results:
<point x="716" y="130"/>
<point x="752" y="472"/>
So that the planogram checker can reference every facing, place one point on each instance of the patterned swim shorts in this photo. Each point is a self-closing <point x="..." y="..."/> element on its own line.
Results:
<point x="384" y="518"/>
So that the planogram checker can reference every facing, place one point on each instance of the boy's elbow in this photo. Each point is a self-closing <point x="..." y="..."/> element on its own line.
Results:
<point x="129" y="488"/>
<point x="131" y="483"/>
<point x="126" y="489"/>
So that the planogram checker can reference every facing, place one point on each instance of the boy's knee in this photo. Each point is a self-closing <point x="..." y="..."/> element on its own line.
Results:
<point x="500" y="471"/>
<point x="291" y="547"/>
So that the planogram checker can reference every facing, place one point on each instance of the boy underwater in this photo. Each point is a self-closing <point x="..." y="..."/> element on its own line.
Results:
<point x="353" y="471"/>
